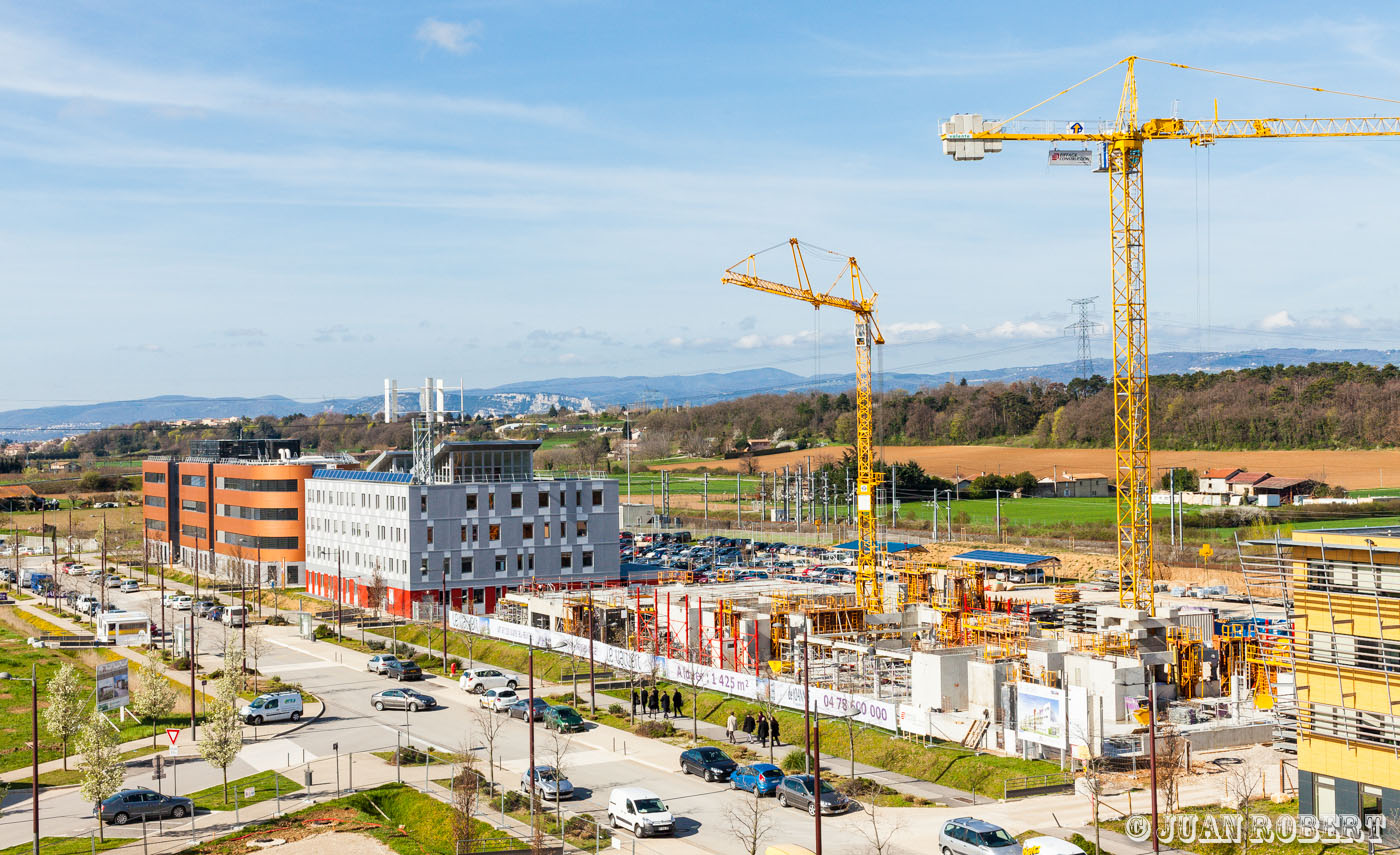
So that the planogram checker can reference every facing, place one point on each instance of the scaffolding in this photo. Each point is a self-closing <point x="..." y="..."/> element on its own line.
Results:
<point x="1187" y="668"/>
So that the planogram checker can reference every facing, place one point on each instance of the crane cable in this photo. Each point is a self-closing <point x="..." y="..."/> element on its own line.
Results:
<point x="1318" y="89"/>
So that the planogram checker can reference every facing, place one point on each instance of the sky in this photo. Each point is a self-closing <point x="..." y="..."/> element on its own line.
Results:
<point x="305" y="198"/>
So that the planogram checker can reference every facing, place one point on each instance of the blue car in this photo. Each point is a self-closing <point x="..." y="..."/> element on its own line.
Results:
<point x="761" y="779"/>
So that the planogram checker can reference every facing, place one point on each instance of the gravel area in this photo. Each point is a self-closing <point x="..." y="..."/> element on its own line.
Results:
<point x="337" y="842"/>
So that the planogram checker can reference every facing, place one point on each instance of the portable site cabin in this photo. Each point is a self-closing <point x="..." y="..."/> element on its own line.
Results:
<point x="123" y="628"/>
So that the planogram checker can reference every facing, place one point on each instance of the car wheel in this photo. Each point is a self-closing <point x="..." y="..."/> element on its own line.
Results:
<point x="612" y="821"/>
<point x="685" y="770"/>
<point x="510" y="684"/>
<point x="379" y="705"/>
<point x="178" y="811"/>
<point x="480" y="689"/>
<point x="120" y="819"/>
<point x="782" y="800"/>
<point x="710" y="776"/>
<point x="413" y="707"/>
<point x="296" y="716"/>
<point x="255" y="720"/>
<point x="812" y="809"/>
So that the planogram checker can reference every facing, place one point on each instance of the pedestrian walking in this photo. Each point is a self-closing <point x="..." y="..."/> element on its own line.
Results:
<point x="634" y="702"/>
<point x="763" y="730"/>
<point x="748" y="727"/>
<point x="677" y="702"/>
<point x="729" y="725"/>
<point x="773" y="729"/>
<point x="665" y="705"/>
<point x="654" y="703"/>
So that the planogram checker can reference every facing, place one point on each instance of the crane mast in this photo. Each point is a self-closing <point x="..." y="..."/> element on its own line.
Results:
<point x="869" y="589"/>
<point x="968" y="137"/>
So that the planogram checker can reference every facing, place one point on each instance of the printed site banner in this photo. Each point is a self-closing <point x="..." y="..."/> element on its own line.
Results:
<point x="826" y="702"/>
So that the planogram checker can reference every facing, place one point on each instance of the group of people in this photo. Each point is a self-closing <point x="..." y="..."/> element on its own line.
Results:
<point x="758" y="728"/>
<point x="657" y="702"/>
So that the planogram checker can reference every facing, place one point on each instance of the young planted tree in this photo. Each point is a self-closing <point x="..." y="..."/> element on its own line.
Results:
<point x="66" y="715"/>
<point x="751" y="822"/>
<point x="1171" y="765"/>
<point x="222" y="737"/>
<point x="878" y="832"/>
<point x="1242" y="787"/>
<point x="152" y="697"/>
<point x="557" y="751"/>
<point x="257" y="648"/>
<point x="101" y="768"/>
<point x="489" y="723"/>
<point x="465" y="794"/>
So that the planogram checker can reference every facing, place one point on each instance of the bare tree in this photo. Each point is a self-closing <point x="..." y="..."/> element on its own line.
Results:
<point x="1093" y="777"/>
<point x="751" y="822"/>
<point x="1171" y="765"/>
<point x="257" y="648"/>
<point x="489" y="723"/>
<point x="377" y="591"/>
<point x="465" y="794"/>
<point x="1242" y="784"/>
<point x="879" y="833"/>
<point x="557" y="751"/>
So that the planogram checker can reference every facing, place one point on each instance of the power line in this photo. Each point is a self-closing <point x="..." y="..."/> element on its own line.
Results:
<point x="1084" y="328"/>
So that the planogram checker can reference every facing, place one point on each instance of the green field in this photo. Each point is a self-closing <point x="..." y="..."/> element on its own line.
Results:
<point x="266" y="785"/>
<point x="1032" y="512"/>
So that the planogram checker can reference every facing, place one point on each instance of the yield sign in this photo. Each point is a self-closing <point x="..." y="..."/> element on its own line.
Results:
<point x="173" y="733"/>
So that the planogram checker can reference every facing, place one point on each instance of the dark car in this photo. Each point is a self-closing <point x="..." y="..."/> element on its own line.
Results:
<point x="796" y="791"/>
<point x="402" y="670"/>
<point x="520" y="708"/>
<point x="402" y="699"/>
<point x="563" y="719"/>
<point x="710" y="763"/>
<point x="142" y="804"/>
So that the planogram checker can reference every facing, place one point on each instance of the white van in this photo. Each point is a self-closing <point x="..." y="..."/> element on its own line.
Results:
<point x="235" y="616"/>
<point x="640" y="810"/>
<point x="273" y="706"/>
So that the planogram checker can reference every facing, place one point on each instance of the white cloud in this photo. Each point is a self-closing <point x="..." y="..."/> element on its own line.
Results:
<point x="341" y="333"/>
<point x="1022" y="329"/>
<point x="1279" y="320"/>
<point x="906" y="330"/>
<point x="448" y="35"/>
<point x="752" y="341"/>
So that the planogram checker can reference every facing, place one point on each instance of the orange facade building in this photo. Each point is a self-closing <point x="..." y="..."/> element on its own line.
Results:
<point x="232" y="504"/>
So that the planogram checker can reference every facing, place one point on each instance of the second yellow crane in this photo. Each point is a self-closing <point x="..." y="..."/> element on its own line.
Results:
<point x="869" y="590"/>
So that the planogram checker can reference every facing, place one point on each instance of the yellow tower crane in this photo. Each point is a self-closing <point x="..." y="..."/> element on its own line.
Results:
<point x="969" y="137"/>
<point x="869" y="591"/>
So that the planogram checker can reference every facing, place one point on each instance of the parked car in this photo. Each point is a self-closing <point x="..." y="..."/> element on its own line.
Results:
<point x="403" y="669"/>
<point x="796" y="791"/>
<point x="708" y="762"/>
<point x="478" y="680"/>
<point x="272" y="706"/>
<point x="130" y="586"/>
<point x="521" y="709"/>
<point x="639" y="810"/>
<point x="400" y="699"/>
<point x="203" y="607"/>
<point x="498" y="700"/>
<point x="182" y="603"/>
<point x="113" y="580"/>
<point x="379" y="661"/>
<point x="142" y="804"/>
<point x="215" y="614"/>
<point x="549" y="784"/>
<point x="563" y="719"/>
<point x="970" y="836"/>
<point x="761" y="779"/>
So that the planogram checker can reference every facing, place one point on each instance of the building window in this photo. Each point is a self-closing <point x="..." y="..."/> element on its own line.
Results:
<point x="155" y="477"/>
<point x="490" y="500"/>
<point x="546" y="531"/>
<point x="239" y="512"/>
<point x="500" y="564"/>
<point x="430" y="534"/>
<point x="463" y="538"/>
<point x="192" y="505"/>
<point x="578" y="499"/>
<point x="423" y="503"/>
<point x="515" y="501"/>
<point x="597" y="498"/>
<point x="566" y="559"/>
<point x="544" y="498"/>
<point x="1324" y="796"/>
<point x="155" y="501"/>
<point x="471" y="501"/>
<point x="256" y="485"/>
<point x="476" y="532"/>
<point x="423" y="566"/>
<point x="519" y="563"/>
<point x="155" y="525"/>
<point x="587" y="559"/>
<point x="193" y="481"/>
<point x="581" y="528"/>
<point x="527" y="531"/>
<point x="1370" y="801"/>
<point x="446" y="565"/>
<point x="194" y="531"/>
<point x="466" y="566"/>
<point x="495" y="532"/>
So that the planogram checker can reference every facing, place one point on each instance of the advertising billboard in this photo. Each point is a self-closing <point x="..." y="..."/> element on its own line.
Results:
<point x="113" y="689"/>
<point x="1040" y="714"/>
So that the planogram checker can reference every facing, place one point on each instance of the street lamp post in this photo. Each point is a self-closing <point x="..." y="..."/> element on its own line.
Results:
<point x="813" y="744"/>
<point x="33" y="681"/>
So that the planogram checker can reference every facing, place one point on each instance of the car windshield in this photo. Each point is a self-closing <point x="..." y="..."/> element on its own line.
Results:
<point x="997" y="838"/>
<point x="545" y="774"/>
<point x="565" y="712"/>
<point x="257" y="704"/>
<point x="650" y="806"/>
<point x="827" y="788"/>
<point x="770" y="773"/>
<point x="709" y="754"/>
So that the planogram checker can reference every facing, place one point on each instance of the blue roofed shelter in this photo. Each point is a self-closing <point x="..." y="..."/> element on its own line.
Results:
<point x="1011" y="566"/>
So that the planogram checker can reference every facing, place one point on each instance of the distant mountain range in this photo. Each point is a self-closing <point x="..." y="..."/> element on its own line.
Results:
<point x="595" y="393"/>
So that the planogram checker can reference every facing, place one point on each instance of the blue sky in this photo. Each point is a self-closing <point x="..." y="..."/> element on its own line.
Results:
<point x="306" y="198"/>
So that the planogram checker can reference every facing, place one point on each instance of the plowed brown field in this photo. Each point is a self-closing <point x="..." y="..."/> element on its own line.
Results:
<point x="1351" y="469"/>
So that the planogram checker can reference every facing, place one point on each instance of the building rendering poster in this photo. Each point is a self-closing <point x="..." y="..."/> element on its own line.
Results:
<point x="1040" y="714"/>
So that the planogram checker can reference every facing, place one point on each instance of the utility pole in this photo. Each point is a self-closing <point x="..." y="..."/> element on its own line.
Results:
<point x="193" y="654"/>
<point x="1171" y="505"/>
<point x="445" y="605"/>
<point x="739" y="500"/>
<point x="1082" y="329"/>
<point x="705" y="490"/>
<point x="999" y="540"/>
<point x="339" y="595"/>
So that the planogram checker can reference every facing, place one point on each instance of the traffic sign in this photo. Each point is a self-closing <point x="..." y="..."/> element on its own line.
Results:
<point x="1206" y="552"/>
<point x="173" y="733"/>
<point x="1076" y="128"/>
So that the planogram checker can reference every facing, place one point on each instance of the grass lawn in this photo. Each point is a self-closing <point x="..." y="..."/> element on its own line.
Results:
<point x="64" y="846"/>
<point x="264" y="783"/>
<point x="442" y="758"/>
<point x="1260" y="808"/>
<point x="473" y="649"/>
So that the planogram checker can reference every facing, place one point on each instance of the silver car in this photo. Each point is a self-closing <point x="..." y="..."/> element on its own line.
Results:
<point x="402" y="699"/>
<point x="969" y="836"/>
<point x="549" y="784"/>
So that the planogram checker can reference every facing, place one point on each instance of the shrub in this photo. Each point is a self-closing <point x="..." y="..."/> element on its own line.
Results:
<point x="1084" y="843"/>
<point x="423" y="658"/>
<point x="180" y="663"/>
<point x="409" y="756"/>
<point x="655" y="729"/>
<point x="794" y="760"/>
<point x="616" y="709"/>
<point x="324" y="632"/>
<point x="216" y="673"/>
<point x="402" y="650"/>
<point x="516" y="800"/>
<point x="375" y="645"/>
<point x="277" y="620"/>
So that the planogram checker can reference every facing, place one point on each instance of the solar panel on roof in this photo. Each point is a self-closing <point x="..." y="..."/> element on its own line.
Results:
<point x="361" y="475"/>
<point x="997" y="557"/>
